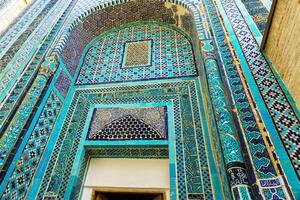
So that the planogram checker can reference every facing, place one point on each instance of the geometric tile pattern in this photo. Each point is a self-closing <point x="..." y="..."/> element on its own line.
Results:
<point x="16" y="27"/>
<point x="113" y="16"/>
<point x="121" y="152"/>
<point x="137" y="54"/>
<point x="13" y="133"/>
<point x="14" y="66"/>
<point x="128" y="123"/>
<point x="25" y="168"/>
<point x="63" y="83"/>
<point x="12" y="102"/>
<point x="192" y="167"/>
<point x="127" y="128"/>
<point x="258" y="12"/>
<point x="282" y="113"/>
<point x="15" y="130"/>
<point x="258" y="152"/>
<point x="172" y="55"/>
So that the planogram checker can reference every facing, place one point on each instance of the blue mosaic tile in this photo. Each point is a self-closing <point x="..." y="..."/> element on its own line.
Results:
<point x="259" y="154"/>
<point x="44" y="32"/>
<point x="193" y="174"/>
<point x="22" y="38"/>
<point x="172" y="56"/>
<point x="24" y="170"/>
<point x="258" y="13"/>
<point x="83" y="29"/>
<point x="22" y="85"/>
<point x="63" y="84"/>
<point x="13" y="133"/>
<point x="162" y="57"/>
<point x="284" y="117"/>
<point x="17" y="26"/>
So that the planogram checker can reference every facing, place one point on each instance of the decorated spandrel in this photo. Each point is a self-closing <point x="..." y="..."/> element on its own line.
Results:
<point x="167" y="80"/>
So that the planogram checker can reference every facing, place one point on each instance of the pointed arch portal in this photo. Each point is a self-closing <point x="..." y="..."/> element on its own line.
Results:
<point x="181" y="83"/>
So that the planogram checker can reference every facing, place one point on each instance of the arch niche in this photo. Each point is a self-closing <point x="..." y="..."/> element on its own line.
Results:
<point x="139" y="61"/>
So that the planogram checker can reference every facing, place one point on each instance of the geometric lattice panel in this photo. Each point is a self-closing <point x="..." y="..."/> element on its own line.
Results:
<point x="63" y="83"/>
<point x="128" y="124"/>
<point x="127" y="128"/>
<point x="25" y="168"/>
<point x="192" y="171"/>
<point x="138" y="54"/>
<point x="148" y="153"/>
<point x="284" y="117"/>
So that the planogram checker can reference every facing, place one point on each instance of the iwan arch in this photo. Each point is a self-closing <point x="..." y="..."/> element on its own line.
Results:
<point x="117" y="92"/>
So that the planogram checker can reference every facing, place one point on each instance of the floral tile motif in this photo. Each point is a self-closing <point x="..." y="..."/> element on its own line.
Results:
<point x="128" y="124"/>
<point x="192" y="164"/>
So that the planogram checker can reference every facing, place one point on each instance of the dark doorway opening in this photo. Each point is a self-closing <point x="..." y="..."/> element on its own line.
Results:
<point x="128" y="196"/>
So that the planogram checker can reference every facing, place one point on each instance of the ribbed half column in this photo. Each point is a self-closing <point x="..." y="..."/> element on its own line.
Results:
<point x="232" y="153"/>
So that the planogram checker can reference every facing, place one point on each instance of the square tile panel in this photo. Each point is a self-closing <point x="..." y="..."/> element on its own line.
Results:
<point x="137" y="54"/>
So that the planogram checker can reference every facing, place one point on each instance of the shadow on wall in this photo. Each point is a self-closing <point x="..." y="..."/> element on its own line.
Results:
<point x="102" y="20"/>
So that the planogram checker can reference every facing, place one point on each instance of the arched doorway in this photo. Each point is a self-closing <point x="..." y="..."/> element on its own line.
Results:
<point x="136" y="96"/>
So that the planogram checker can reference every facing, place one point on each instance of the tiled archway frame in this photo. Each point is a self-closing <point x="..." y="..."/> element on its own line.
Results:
<point x="200" y="19"/>
<point x="85" y="30"/>
<point x="204" y="33"/>
<point x="131" y="150"/>
<point x="82" y="10"/>
<point x="192" y="157"/>
<point x="267" y="116"/>
<point x="141" y="149"/>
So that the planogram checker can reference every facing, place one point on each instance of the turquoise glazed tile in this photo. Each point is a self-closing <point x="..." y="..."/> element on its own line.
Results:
<point x="168" y="54"/>
<point x="148" y="80"/>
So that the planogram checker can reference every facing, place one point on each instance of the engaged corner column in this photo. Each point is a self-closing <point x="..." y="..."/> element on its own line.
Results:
<point x="48" y="67"/>
<point x="16" y="127"/>
<point x="232" y="154"/>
